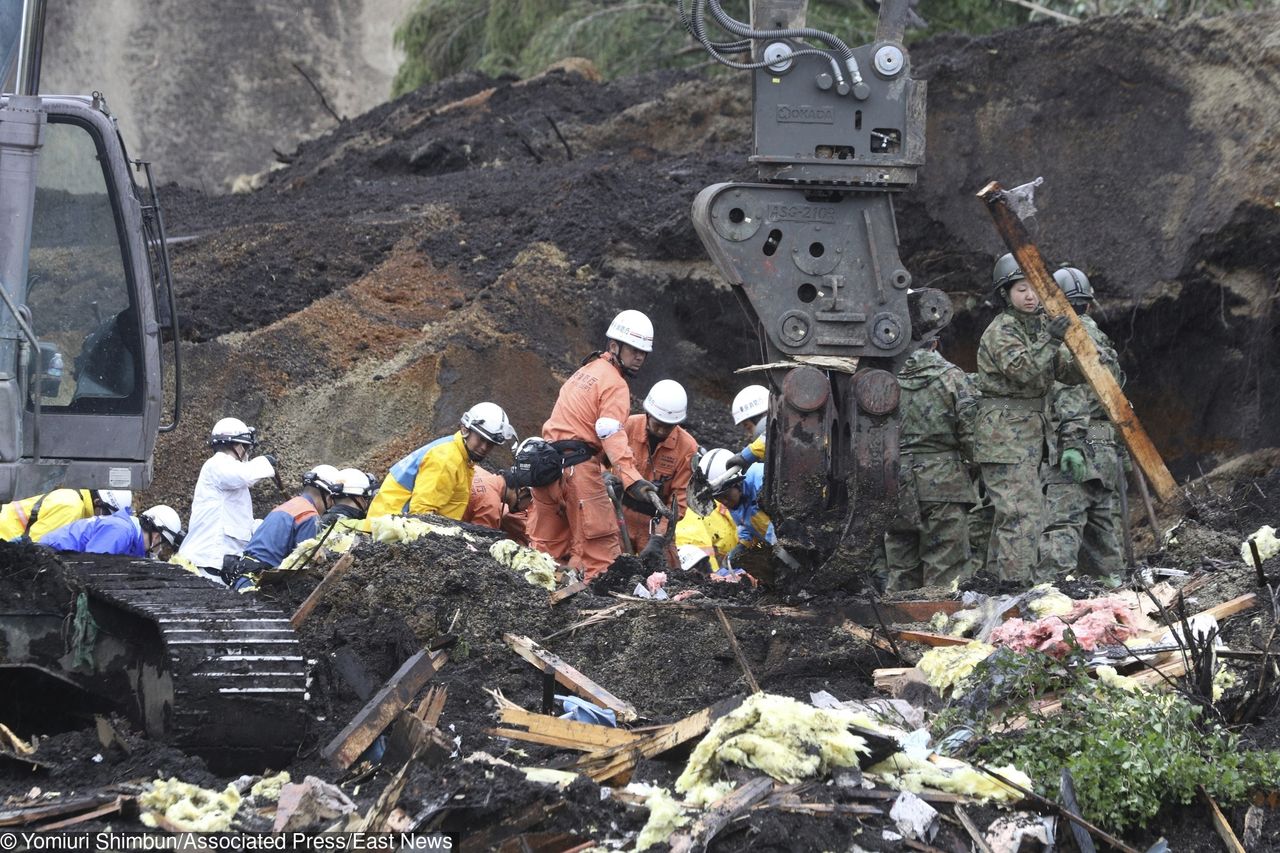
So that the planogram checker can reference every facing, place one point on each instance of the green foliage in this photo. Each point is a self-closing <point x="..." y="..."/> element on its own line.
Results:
<point x="1129" y="752"/>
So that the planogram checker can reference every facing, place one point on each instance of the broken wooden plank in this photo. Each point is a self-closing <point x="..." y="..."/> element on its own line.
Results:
<point x="737" y="651"/>
<point x="410" y="736"/>
<point x="868" y="636"/>
<point x="821" y="809"/>
<point x="569" y="591"/>
<point x="570" y="677"/>
<point x="572" y="733"/>
<point x="327" y="583"/>
<point x="432" y="705"/>
<point x="923" y="611"/>
<point x="113" y="807"/>
<point x="886" y="794"/>
<point x="1230" y="608"/>
<point x="719" y="813"/>
<point x="1220" y="823"/>
<point x="979" y="842"/>
<point x="375" y="716"/>
<point x="25" y="815"/>
<point x="1118" y="408"/>
<point x="615" y="762"/>
<point x="490" y="839"/>
<point x="929" y="638"/>
<point x="544" y="842"/>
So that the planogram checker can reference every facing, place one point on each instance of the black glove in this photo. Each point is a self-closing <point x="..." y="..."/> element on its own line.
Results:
<point x="654" y="552"/>
<point x="271" y="457"/>
<point x="1057" y="327"/>
<point x="613" y="483"/>
<point x="738" y="461"/>
<point x="640" y="491"/>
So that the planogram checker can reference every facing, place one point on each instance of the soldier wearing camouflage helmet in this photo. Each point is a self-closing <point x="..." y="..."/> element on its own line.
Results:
<point x="928" y="542"/>
<point x="1017" y="359"/>
<point x="1082" y="529"/>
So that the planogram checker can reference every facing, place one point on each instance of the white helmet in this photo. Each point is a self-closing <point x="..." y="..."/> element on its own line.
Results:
<point x="632" y="328"/>
<point x="714" y="466"/>
<point x="751" y="403"/>
<point x="490" y="421"/>
<point x="116" y="499"/>
<point x="667" y="401"/>
<point x="165" y="521"/>
<point x="690" y="556"/>
<point x="233" y="431"/>
<point x="322" y="477"/>
<point x="355" y="483"/>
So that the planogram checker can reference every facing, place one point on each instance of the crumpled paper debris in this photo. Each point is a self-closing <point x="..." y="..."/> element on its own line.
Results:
<point x="538" y="568"/>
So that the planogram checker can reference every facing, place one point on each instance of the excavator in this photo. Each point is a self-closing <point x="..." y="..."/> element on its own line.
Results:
<point x="87" y="305"/>
<point x="811" y="250"/>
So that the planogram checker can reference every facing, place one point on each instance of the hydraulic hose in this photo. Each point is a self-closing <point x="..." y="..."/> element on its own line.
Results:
<point x="740" y="29"/>
<point x="728" y="47"/>
<point x="697" y="27"/>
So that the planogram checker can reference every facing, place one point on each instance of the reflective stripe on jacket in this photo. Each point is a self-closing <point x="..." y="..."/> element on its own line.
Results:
<point x="754" y="525"/>
<point x="58" y="509"/>
<point x="284" y="527"/>
<point x="597" y="390"/>
<point x="434" y="478"/>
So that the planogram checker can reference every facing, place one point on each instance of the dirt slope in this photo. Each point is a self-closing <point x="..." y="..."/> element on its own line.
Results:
<point x="448" y="247"/>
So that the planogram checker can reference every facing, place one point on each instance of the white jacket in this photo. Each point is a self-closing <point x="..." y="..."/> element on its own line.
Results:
<point x="222" y="510"/>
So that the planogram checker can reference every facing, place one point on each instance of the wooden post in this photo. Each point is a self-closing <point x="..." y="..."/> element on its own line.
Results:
<point x="1117" y="406"/>
<point x="570" y="677"/>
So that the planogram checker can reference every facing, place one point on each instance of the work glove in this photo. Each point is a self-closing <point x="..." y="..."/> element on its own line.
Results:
<point x="1072" y="463"/>
<point x="640" y="491"/>
<point x="271" y="459"/>
<point x="738" y="461"/>
<point x="1057" y="327"/>
<point x="613" y="483"/>
<point x="654" y="552"/>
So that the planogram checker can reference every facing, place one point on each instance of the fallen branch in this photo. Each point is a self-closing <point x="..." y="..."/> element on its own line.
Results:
<point x="324" y="102"/>
<point x="979" y="843"/>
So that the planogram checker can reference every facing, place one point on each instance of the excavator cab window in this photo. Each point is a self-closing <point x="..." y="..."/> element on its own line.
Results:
<point x="80" y="294"/>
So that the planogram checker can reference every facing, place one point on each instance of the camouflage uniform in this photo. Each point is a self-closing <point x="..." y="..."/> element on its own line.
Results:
<point x="1082" y="527"/>
<point x="1016" y="363"/>
<point x="981" y="514"/>
<point x="928" y="543"/>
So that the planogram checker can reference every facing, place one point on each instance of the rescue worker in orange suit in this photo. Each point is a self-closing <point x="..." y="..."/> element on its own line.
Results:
<point x="283" y="528"/>
<point x="436" y="478"/>
<point x="663" y="451"/>
<point x="498" y="501"/>
<point x="573" y="519"/>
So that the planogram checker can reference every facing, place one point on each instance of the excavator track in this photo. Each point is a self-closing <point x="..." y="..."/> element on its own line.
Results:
<point x="215" y="673"/>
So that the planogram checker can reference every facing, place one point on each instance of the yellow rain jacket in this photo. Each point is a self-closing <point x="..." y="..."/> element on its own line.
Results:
<point x="434" y="478"/>
<point x="58" y="509"/>
<point x="715" y="534"/>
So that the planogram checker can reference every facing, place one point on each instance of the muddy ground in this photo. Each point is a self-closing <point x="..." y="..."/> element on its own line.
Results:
<point x="449" y="247"/>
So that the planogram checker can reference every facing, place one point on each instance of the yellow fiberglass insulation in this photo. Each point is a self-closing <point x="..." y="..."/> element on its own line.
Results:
<point x="946" y="666"/>
<point x="940" y="773"/>
<point x="1107" y="675"/>
<point x="1045" y="600"/>
<point x="401" y="528"/>
<point x="1268" y="545"/>
<point x="189" y="808"/>
<point x="786" y="739"/>
<point x="268" y="787"/>
<point x="665" y="817"/>
<point x="539" y="569"/>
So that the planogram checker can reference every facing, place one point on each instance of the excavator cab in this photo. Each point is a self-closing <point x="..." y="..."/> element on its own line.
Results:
<point x="86" y="292"/>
